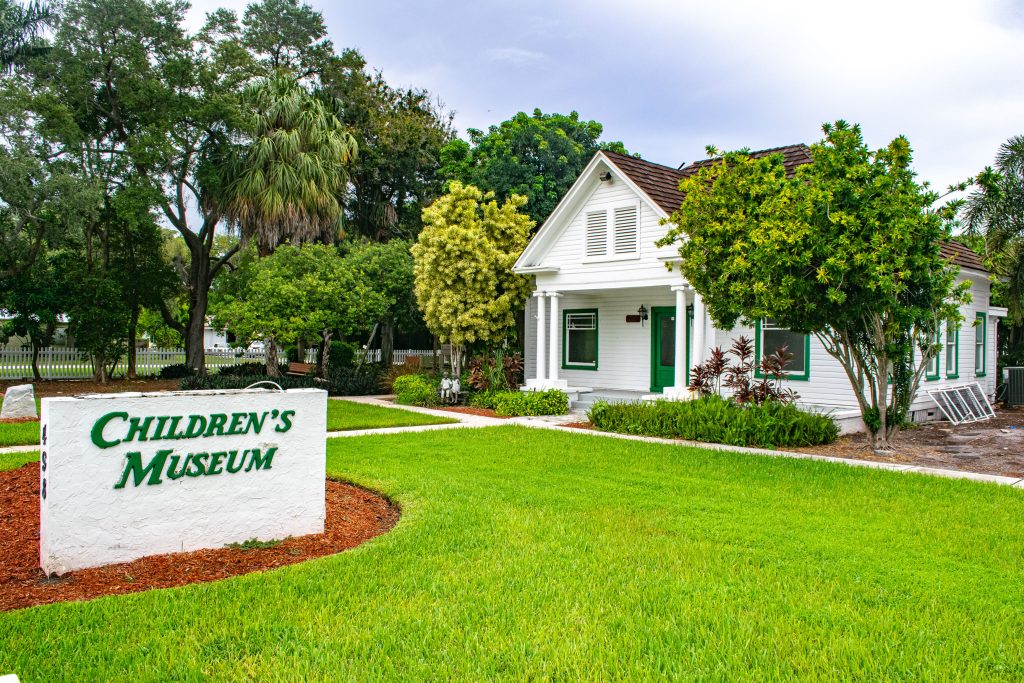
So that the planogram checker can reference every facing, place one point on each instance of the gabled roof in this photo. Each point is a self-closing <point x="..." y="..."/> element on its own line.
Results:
<point x="962" y="256"/>
<point x="661" y="183"/>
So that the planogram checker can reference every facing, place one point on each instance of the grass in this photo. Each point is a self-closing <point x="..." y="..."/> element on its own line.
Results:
<point x="9" y="461"/>
<point x="347" y="415"/>
<point x="529" y="554"/>
<point x="341" y="416"/>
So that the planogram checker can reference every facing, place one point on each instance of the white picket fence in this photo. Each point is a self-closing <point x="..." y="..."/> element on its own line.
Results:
<point x="373" y="355"/>
<point x="58" y="362"/>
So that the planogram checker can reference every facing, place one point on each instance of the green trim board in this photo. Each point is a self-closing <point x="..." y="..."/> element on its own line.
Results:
<point x="981" y="334"/>
<point x="955" y="337"/>
<point x="660" y="372"/>
<point x="796" y="377"/>
<point x="566" y="365"/>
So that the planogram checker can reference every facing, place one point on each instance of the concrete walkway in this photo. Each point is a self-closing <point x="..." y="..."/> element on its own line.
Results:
<point x="557" y="423"/>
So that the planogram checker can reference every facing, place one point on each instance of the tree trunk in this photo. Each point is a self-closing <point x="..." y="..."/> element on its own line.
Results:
<point x="198" y="305"/>
<point x="437" y="356"/>
<point x="387" y="342"/>
<point x="35" y="360"/>
<point x="300" y="351"/>
<point x="133" y="326"/>
<point x="324" y="357"/>
<point x="271" y="358"/>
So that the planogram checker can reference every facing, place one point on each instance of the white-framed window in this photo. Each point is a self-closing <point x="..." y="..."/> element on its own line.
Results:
<point x="952" y="351"/>
<point x="612" y="233"/>
<point x="932" y="373"/>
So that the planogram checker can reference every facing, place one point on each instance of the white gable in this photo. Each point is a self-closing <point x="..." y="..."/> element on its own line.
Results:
<point x="600" y="236"/>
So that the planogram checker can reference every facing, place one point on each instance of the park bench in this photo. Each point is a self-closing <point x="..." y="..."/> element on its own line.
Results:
<point x="300" y="369"/>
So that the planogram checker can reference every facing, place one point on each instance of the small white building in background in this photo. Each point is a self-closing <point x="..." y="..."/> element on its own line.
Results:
<point x="608" y="319"/>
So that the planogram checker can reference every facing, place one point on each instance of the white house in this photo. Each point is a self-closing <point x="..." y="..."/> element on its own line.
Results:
<point x="608" y="319"/>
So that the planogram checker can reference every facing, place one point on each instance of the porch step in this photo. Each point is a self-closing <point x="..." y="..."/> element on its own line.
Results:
<point x="585" y="401"/>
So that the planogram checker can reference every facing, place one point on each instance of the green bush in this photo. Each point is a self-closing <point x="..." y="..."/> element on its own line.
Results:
<point x="520" y="403"/>
<point x="351" y="380"/>
<point x="415" y="390"/>
<point x="485" y="399"/>
<point x="176" y="371"/>
<point x="198" y="382"/>
<point x="243" y="369"/>
<point x="343" y="354"/>
<point x="713" y="419"/>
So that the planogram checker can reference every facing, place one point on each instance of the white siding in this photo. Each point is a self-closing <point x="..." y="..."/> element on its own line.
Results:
<point x="577" y="271"/>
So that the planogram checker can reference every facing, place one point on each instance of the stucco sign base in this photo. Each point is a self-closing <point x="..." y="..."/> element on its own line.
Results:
<point x="123" y="476"/>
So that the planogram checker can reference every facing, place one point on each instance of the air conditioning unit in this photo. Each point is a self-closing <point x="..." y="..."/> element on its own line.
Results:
<point x="1014" y="392"/>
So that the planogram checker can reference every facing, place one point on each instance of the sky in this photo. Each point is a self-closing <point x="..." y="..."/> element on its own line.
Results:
<point x="668" y="78"/>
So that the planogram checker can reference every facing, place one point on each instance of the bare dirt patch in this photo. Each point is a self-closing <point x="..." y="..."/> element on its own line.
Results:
<point x="354" y="516"/>
<point x="993" y="447"/>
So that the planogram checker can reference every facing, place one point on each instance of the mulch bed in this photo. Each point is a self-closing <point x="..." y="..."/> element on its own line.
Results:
<point x="74" y="387"/>
<point x="354" y="516"/>
<point x="468" y="410"/>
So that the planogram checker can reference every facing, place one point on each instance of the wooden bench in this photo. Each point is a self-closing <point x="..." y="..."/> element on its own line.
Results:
<point x="300" y="369"/>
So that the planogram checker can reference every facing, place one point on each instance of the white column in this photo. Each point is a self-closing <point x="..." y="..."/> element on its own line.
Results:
<point x="699" y="330"/>
<point x="679" y="381"/>
<point x="554" y="353"/>
<point x="541" y="323"/>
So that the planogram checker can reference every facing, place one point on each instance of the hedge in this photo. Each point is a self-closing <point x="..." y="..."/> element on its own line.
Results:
<point x="713" y="419"/>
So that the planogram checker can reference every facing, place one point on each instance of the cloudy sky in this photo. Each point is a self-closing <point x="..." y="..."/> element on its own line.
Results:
<point x="668" y="78"/>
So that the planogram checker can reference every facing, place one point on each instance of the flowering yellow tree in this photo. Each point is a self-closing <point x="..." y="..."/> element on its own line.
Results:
<point x="462" y="263"/>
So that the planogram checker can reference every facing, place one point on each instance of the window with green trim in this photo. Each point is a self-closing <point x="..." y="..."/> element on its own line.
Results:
<point x="579" y="339"/>
<point x="952" y="351"/>
<point x="932" y="373"/>
<point x="769" y="338"/>
<point x="981" y="345"/>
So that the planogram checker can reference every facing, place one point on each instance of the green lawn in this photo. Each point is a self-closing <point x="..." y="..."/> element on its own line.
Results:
<point x="346" y="415"/>
<point x="341" y="416"/>
<point x="529" y="554"/>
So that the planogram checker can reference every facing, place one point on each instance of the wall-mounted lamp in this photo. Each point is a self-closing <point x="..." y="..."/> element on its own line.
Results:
<point x="605" y="177"/>
<point x="642" y="311"/>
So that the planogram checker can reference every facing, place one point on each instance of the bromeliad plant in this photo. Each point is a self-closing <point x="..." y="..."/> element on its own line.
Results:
<point x="709" y="377"/>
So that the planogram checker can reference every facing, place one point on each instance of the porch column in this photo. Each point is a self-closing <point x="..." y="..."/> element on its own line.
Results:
<point x="541" y="322"/>
<point x="679" y="382"/>
<point x="699" y="329"/>
<point x="554" y="353"/>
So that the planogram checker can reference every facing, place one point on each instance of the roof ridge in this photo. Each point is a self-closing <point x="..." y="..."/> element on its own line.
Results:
<point x="646" y="161"/>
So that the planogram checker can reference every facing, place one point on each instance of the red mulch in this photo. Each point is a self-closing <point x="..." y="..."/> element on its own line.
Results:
<point x="16" y="420"/>
<point x="468" y="410"/>
<point x="580" y="425"/>
<point x="354" y="515"/>
<point x="73" y="387"/>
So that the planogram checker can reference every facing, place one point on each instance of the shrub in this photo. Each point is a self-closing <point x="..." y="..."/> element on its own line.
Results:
<point x="343" y="354"/>
<point x="713" y="419"/>
<point x="351" y="380"/>
<point x="485" y="399"/>
<point x="388" y="376"/>
<point x="415" y="390"/>
<point x="520" y="403"/>
<point x="243" y="369"/>
<point x="198" y="382"/>
<point x="176" y="371"/>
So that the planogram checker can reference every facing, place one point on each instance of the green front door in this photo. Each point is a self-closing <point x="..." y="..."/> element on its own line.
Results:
<point x="663" y="346"/>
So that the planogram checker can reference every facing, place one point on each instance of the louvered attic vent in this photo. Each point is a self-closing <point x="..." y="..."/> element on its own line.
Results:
<point x="625" y="230"/>
<point x="597" y="233"/>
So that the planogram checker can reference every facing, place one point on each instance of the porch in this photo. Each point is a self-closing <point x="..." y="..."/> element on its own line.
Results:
<point x="624" y="343"/>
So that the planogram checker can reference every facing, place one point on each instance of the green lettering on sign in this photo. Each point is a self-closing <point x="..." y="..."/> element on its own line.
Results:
<point x="97" y="430"/>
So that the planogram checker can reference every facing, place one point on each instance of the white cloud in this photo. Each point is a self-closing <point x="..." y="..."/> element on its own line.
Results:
<point x="515" y="55"/>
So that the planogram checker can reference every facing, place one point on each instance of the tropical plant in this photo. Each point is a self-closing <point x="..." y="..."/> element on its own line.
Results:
<point x="747" y="386"/>
<point x="21" y="27"/>
<point x="285" y="182"/>
<point x="847" y="248"/>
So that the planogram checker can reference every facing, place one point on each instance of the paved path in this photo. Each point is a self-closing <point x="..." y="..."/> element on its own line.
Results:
<point x="558" y="422"/>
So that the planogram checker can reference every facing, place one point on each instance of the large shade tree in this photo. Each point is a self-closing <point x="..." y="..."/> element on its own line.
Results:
<point x="846" y="249"/>
<point x="538" y="156"/>
<point x="462" y="265"/>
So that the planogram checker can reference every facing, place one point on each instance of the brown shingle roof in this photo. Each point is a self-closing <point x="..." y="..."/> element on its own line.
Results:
<point x="661" y="183"/>
<point x="962" y="256"/>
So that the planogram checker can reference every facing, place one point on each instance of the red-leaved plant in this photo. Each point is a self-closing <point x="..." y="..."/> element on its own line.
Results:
<point x="716" y="372"/>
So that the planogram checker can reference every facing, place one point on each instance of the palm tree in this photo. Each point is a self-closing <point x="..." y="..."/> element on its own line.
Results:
<point x="995" y="211"/>
<point x="20" y="29"/>
<point x="285" y="182"/>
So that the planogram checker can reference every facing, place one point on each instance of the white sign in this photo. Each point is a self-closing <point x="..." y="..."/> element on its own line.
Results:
<point x="123" y="476"/>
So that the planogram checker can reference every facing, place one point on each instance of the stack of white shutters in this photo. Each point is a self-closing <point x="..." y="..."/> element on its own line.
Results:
<point x="625" y="235"/>
<point x="597" y="233"/>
